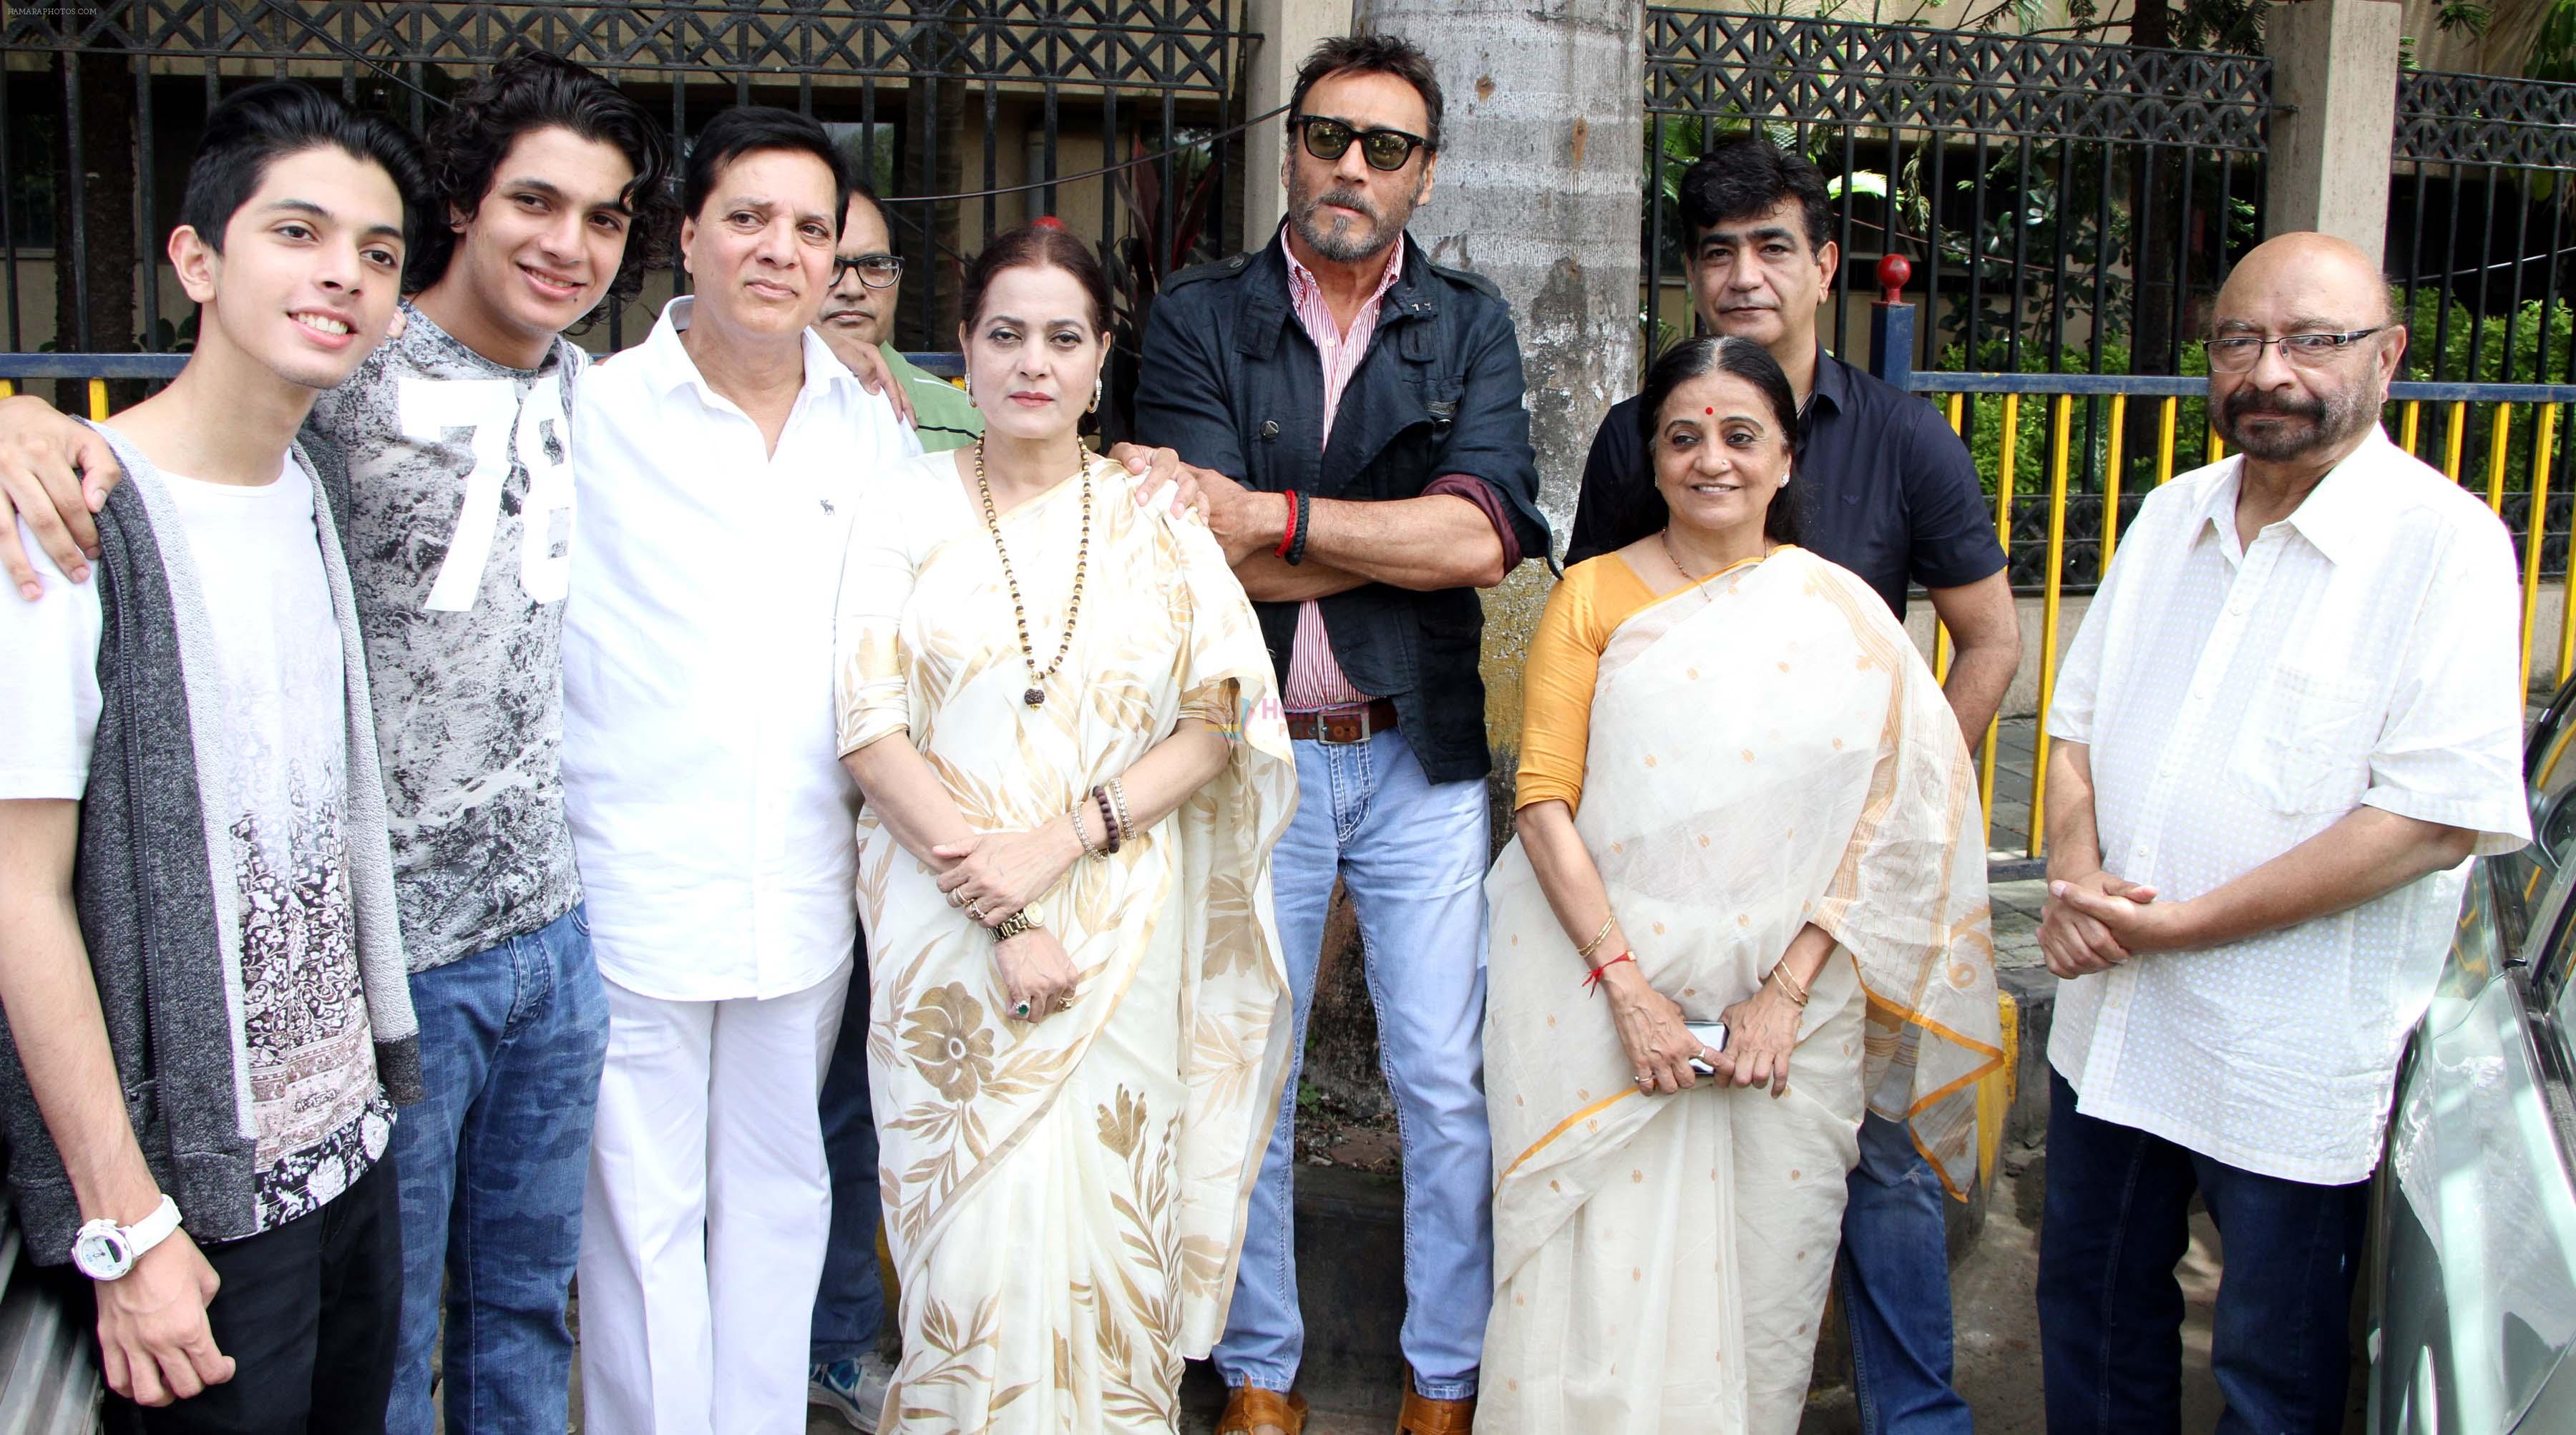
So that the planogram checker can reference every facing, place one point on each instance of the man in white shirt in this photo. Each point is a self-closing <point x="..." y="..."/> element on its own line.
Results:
<point x="712" y="818"/>
<point x="2290" y="714"/>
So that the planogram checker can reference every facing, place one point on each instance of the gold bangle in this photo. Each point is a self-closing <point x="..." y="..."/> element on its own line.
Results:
<point x="1587" y="949"/>
<point x="1788" y="983"/>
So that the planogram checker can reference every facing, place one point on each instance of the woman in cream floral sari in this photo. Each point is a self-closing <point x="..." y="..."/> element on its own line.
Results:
<point x="1073" y="1050"/>
<point x="1734" y="760"/>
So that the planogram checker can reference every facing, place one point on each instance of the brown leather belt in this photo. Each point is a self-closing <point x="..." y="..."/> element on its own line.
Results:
<point x="1344" y="724"/>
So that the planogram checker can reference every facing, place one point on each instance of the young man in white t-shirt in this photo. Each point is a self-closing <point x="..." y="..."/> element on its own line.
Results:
<point x="200" y="966"/>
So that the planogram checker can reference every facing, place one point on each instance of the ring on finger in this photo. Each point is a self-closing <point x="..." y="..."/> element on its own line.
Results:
<point x="1021" y="1011"/>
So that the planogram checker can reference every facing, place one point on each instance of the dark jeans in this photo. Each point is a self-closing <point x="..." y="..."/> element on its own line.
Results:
<point x="2110" y="1310"/>
<point x="1894" y="1276"/>
<point x="493" y="1162"/>
<point x="307" y="1312"/>
<point x="850" y="1304"/>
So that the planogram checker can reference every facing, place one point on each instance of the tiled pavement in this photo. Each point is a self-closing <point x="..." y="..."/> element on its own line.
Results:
<point x="2009" y="831"/>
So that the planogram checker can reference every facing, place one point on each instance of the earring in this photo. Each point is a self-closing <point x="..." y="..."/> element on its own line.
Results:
<point x="966" y="381"/>
<point x="1099" y="388"/>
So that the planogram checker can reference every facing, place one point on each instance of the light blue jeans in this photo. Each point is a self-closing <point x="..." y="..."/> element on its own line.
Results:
<point x="491" y="1164"/>
<point x="1412" y="854"/>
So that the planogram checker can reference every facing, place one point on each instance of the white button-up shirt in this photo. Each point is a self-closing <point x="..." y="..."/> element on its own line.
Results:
<point x="715" y="827"/>
<point x="2239" y="700"/>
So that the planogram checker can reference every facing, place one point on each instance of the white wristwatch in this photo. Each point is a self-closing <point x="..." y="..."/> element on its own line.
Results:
<point x="105" y="1250"/>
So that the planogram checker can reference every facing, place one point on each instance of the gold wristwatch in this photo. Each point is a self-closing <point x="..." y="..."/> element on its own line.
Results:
<point x="1028" y="919"/>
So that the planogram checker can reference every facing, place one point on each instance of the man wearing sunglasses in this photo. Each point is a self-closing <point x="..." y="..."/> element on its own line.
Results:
<point x="858" y="322"/>
<point x="1364" y="408"/>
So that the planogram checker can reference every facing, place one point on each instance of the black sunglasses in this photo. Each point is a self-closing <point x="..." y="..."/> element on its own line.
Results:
<point x="1383" y="149"/>
<point x="877" y="271"/>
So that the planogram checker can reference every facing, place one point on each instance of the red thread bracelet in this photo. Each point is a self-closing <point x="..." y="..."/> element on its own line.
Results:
<point x="1288" y="535"/>
<point x="1594" y="980"/>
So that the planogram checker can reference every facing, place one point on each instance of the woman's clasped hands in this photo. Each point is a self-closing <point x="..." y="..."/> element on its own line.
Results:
<point x="1760" y="1032"/>
<point x="1650" y="1026"/>
<point x="992" y="876"/>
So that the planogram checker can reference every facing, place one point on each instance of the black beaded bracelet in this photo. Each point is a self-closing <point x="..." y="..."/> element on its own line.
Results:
<point x="1108" y="819"/>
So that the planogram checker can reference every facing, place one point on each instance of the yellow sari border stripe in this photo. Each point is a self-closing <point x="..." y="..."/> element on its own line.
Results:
<point x="1906" y="1014"/>
<point x="1939" y="1173"/>
<point x="1560" y="1129"/>
<point x="1926" y="1103"/>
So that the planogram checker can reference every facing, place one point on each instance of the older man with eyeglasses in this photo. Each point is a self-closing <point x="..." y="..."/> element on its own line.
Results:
<point x="2292" y="712"/>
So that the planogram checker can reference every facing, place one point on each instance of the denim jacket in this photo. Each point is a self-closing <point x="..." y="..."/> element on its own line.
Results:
<point x="1230" y="380"/>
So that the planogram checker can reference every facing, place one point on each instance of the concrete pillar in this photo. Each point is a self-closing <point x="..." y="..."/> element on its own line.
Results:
<point x="2336" y="62"/>
<point x="1288" y="29"/>
<point x="1537" y="191"/>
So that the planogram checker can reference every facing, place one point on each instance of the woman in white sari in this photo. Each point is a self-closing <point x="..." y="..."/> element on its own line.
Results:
<point x="1742" y="799"/>
<point x="1062" y="716"/>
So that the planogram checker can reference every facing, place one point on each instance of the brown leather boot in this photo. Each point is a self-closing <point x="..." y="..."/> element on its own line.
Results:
<point x="1425" y="1416"/>
<point x="1251" y="1407"/>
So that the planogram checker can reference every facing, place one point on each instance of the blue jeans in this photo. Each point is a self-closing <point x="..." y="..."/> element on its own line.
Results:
<point x="1412" y="853"/>
<point x="1894" y="1275"/>
<point x="2110" y="1310"/>
<point x="492" y="1163"/>
<point x="850" y="1304"/>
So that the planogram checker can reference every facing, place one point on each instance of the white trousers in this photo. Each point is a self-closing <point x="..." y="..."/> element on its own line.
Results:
<point x="706" y="1215"/>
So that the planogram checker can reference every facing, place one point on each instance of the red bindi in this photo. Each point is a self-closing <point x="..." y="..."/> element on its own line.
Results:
<point x="1708" y="411"/>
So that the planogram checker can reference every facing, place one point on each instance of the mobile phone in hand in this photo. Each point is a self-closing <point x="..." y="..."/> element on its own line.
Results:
<point x="1710" y="1034"/>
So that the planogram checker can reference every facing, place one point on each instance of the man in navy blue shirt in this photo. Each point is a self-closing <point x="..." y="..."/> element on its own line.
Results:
<point x="1891" y="494"/>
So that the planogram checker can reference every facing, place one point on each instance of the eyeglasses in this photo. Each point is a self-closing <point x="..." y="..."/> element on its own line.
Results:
<point x="2236" y="353"/>
<point x="1383" y="149"/>
<point x="877" y="271"/>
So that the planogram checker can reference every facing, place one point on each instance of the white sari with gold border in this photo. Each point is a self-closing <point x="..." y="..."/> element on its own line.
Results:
<point x="1767" y="750"/>
<point x="1064" y="1199"/>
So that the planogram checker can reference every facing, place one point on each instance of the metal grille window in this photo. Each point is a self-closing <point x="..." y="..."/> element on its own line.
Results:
<point x="2477" y="240"/>
<point x="947" y="98"/>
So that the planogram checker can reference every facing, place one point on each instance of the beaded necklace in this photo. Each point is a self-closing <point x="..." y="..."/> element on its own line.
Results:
<point x="1036" y="693"/>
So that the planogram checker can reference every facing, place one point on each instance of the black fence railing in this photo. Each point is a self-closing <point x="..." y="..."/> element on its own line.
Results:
<point x="2480" y="225"/>
<point x="1012" y="105"/>
<point x="2067" y="206"/>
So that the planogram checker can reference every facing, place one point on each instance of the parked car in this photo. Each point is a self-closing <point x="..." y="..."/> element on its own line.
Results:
<point x="2472" y="1269"/>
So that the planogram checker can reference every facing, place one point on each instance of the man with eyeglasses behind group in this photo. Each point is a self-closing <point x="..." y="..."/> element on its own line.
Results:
<point x="2290" y="714"/>
<point x="1363" y="405"/>
<point x="858" y="320"/>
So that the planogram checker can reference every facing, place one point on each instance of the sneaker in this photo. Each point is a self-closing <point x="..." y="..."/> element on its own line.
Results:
<point x="855" y="1389"/>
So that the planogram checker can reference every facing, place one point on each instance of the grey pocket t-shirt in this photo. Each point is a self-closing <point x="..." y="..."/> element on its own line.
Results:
<point x="455" y="481"/>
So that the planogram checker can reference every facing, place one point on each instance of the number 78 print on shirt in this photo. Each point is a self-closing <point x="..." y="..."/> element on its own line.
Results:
<point x="454" y="483"/>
